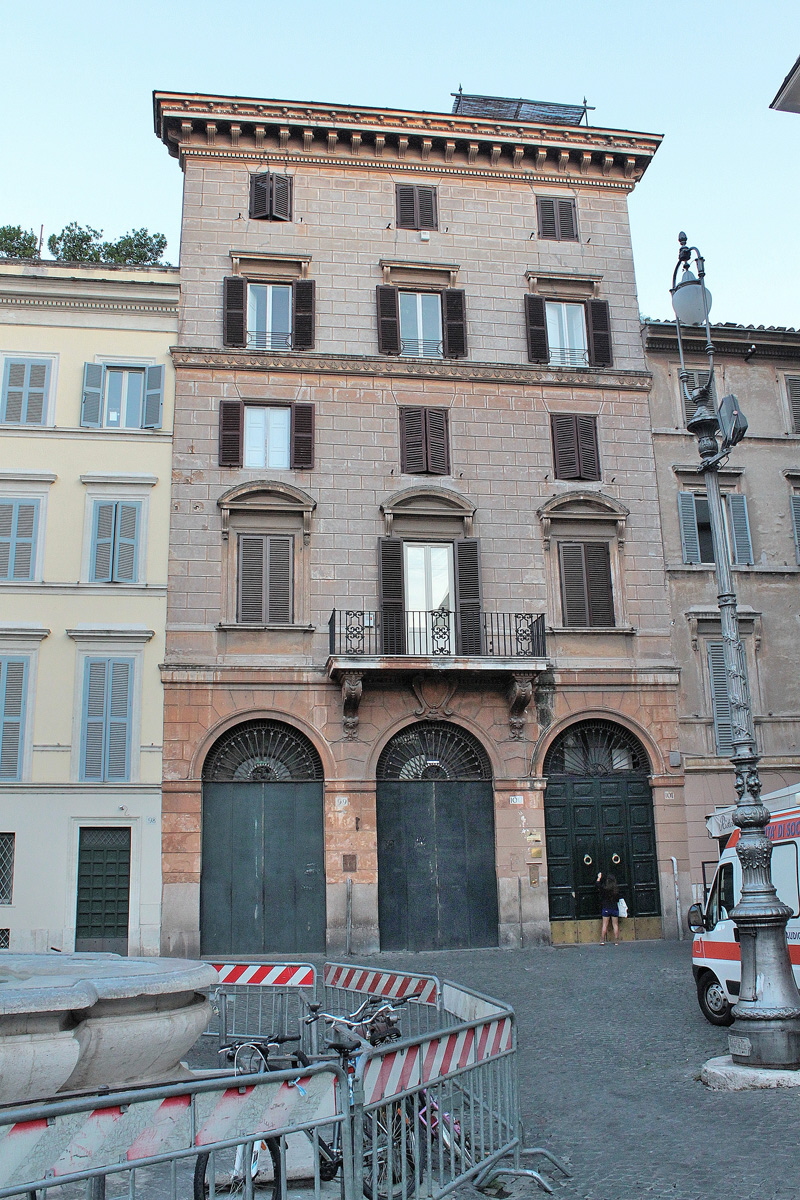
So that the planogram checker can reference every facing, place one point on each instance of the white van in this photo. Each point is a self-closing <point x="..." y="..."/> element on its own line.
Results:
<point x="716" y="959"/>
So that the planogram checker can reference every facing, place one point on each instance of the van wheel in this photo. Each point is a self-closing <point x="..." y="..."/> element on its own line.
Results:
<point x="713" y="1001"/>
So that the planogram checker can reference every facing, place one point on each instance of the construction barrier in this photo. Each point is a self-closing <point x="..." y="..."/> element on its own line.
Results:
<point x="262" y="1000"/>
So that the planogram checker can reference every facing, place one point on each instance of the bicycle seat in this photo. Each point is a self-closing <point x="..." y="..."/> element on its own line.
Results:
<point x="343" y="1042"/>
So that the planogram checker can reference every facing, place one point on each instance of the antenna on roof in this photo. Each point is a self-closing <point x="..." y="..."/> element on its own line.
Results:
<point x="587" y="108"/>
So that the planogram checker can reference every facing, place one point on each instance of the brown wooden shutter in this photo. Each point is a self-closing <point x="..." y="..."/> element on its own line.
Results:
<point x="393" y="619"/>
<point x="567" y="221"/>
<point x="231" y="432"/>
<point x="252" y="578"/>
<point x="281" y="198"/>
<point x="413" y="457"/>
<point x="279" y="581"/>
<point x="426" y="208"/>
<point x="588" y="453"/>
<point x="574" y="601"/>
<point x="468" y="596"/>
<point x="793" y="392"/>
<point x="437" y="424"/>
<point x="536" y="324"/>
<point x="565" y="446"/>
<point x="303" y="304"/>
<point x="454" y="322"/>
<point x="234" y="297"/>
<point x="548" y="227"/>
<point x="302" y="456"/>
<point x="406" y="198"/>
<point x="598" y="583"/>
<point x="388" y="320"/>
<point x="599" y="327"/>
<point x="259" y="196"/>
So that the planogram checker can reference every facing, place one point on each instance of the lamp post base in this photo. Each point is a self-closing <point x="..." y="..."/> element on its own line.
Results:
<point x="722" y="1074"/>
<point x="767" y="1043"/>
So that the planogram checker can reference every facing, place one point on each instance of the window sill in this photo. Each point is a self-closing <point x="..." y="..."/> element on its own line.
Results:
<point x="234" y="627"/>
<point x="604" y="629"/>
<point x="744" y="568"/>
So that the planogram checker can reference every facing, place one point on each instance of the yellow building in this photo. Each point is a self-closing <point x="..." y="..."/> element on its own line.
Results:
<point x="85" y="459"/>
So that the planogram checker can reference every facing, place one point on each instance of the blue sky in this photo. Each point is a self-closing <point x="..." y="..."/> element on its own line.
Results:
<point x="77" y="139"/>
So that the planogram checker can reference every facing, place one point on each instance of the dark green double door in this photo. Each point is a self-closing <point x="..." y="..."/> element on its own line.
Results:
<point x="437" y="885"/>
<point x="600" y="823"/>
<point x="262" y="887"/>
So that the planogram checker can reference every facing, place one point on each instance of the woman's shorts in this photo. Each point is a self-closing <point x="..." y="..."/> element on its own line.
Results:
<point x="609" y="911"/>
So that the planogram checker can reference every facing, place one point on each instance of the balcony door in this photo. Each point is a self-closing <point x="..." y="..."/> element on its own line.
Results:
<point x="429" y="597"/>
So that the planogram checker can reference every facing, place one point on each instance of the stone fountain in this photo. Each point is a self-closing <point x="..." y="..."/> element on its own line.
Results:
<point x="75" y="1022"/>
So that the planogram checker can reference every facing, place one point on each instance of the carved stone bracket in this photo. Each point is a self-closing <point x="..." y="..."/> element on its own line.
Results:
<point x="544" y="698"/>
<point x="440" y="691"/>
<point x="352" y="689"/>
<point x="520" y="694"/>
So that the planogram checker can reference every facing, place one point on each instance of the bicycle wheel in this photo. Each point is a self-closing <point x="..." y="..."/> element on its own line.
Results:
<point x="394" y="1153"/>
<point x="229" y="1170"/>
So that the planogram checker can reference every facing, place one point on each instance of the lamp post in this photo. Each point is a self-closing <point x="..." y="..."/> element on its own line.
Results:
<point x="766" y="1032"/>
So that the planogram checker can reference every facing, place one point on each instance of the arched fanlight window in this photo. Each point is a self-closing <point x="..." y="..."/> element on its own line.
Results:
<point x="596" y="748"/>
<point x="434" y="750"/>
<point x="262" y="751"/>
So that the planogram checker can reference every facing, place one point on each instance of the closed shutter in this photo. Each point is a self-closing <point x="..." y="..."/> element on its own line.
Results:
<point x="15" y="376"/>
<point x="102" y="556"/>
<point x="454" y="322"/>
<point x="740" y="528"/>
<point x="120" y="689"/>
<point x="573" y="584"/>
<point x="687" y="515"/>
<point x="468" y="596"/>
<point x="259" y="196"/>
<point x="13" y="689"/>
<point x="536" y="328"/>
<point x="720" y="701"/>
<point x="598" y="583"/>
<point x="388" y="319"/>
<point x="437" y="422"/>
<point x="393" y="640"/>
<point x="796" y="524"/>
<point x="126" y="542"/>
<point x="426" y="208"/>
<point x="567" y="221"/>
<point x="231" y="432"/>
<point x="303" y="314"/>
<point x="25" y="387"/>
<point x="599" y="329"/>
<point x="588" y="451"/>
<point x="548" y="226"/>
<point x="406" y="217"/>
<point x="94" y="719"/>
<point x="793" y="391"/>
<point x="252" y="579"/>
<point x="696" y="379"/>
<point x="92" y="397"/>
<point x="153" y="398"/>
<point x="279" y="580"/>
<point x="234" y="324"/>
<point x="302" y="457"/>
<point x="18" y="527"/>
<point x="281" y="203"/>
<point x="565" y="446"/>
<point x="413" y="458"/>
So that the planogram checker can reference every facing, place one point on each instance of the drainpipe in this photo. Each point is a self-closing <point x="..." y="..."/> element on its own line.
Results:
<point x="678" y="913"/>
<point x="348" y="934"/>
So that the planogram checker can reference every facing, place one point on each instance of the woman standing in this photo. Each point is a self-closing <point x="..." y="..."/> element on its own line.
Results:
<point x="609" y="905"/>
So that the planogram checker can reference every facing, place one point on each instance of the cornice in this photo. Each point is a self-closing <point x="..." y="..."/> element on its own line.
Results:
<point x="355" y="365"/>
<point x="736" y="341"/>
<point x="71" y="303"/>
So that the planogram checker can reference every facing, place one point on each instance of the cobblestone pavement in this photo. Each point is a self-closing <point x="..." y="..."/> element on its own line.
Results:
<point x="611" y="1041"/>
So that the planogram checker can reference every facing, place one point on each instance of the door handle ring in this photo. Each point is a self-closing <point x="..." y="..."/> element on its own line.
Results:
<point x="616" y="860"/>
<point x="587" y="858"/>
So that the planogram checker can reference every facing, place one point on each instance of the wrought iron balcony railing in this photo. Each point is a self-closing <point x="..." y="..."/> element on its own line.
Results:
<point x="436" y="633"/>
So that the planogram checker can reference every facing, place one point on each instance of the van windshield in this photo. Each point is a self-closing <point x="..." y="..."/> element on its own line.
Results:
<point x="720" y="902"/>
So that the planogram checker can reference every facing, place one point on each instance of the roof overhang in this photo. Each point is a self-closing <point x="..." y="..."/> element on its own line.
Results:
<point x="788" y="97"/>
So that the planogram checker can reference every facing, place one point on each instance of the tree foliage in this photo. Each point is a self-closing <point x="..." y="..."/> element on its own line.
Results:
<point x="77" y="243"/>
<point x="139" y="247"/>
<point x="16" y="242"/>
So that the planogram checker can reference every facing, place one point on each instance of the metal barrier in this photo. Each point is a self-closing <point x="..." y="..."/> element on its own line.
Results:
<point x="258" y="1000"/>
<point x="347" y="986"/>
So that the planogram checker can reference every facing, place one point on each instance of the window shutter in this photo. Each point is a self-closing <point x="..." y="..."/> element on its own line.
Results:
<point x="796" y="524"/>
<point x="565" y="446"/>
<point x="567" y="221"/>
<point x="231" y="432"/>
<point x="259" y="196"/>
<point x="35" y="400"/>
<point x="454" y="322"/>
<point x="126" y="542"/>
<point x="393" y="640"/>
<point x="406" y="206"/>
<point x="120" y="691"/>
<point x="302" y="456"/>
<point x="793" y="391"/>
<point x="588" y="452"/>
<point x="303" y="314"/>
<point x="25" y="386"/>
<point x="536" y="323"/>
<point x="7" y="523"/>
<point x="94" y="718"/>
<point x="234" y="324"/>
<point x="598" y="583"/>
<point x="413" y="459"/>
<point x="252" y="572"/>
<point x="687" y="515"/>
<point x="281" y="205"/>
<point x="92" y="401"/>
<point x="103" y="542"/>
<point x="426" y="208"/>
<point x="468" y="596"/>
<point x="547" y="218"/>
<point x="696" y="379"/>
<point x="14" y="379"/>
<point x="437" y="422"/>
<point x="720" y="701"/>
<point x="599" y="329"/>
<point x="573" y="584"/>
<point x="740" y="528"/>
<point x="388" y="320"/>
<point x="24" y="540"/>
<point x="279" y="590"/>
<point x="153" y="397"/>
<point x="13" y="688"/>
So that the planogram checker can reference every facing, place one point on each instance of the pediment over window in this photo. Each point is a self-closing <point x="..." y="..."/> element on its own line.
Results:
<point x="584" y="507"/>
<point x="267" y="496"/>
<point x="428" y="502"/>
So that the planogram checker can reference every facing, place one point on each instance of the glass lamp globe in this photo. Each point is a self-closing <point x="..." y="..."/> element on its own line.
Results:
<point x="687" y="300"/>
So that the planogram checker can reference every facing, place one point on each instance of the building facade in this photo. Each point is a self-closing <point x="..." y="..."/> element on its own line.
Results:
<point x="761" y="487"/>
<point x="85" y="429"/>
<point x="419" y="680"/>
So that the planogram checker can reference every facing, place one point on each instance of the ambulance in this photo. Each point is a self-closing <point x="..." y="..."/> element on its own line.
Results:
<point x="716" y="958"/>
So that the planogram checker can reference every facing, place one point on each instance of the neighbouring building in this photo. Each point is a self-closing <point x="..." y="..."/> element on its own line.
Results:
<point x="761" y="486"/>
<point x="85" y="461"/>
<point x="419" y="679"/>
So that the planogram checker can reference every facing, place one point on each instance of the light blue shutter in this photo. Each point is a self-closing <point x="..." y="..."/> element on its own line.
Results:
<point x="120" y="691"/>
<point x="153" y="397"/>
<point x="720" y="702"/>
<point x="25" y="387"/>
<point x="13" y="688"/>
<point x="796" y="524"/>
<point x="687" y="513"/>
<point x="18" y="522"/>
<point x="92" y="401"/>
<point x="94" y="719"/>
<point x="103" y="541"/>
<point x="740" y="528"/>
<point x="7" y="523"/>
<point x="126" y="542"/>
<point x="13" y="391"/>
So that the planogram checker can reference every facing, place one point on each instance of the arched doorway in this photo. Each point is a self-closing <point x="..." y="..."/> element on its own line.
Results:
<point x="599" y="817"/>
<point x="437" y="885"/>
<point x="262" y="886"/>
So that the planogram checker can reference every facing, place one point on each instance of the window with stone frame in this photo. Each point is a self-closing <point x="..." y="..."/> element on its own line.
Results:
<point x="568" y="333"/>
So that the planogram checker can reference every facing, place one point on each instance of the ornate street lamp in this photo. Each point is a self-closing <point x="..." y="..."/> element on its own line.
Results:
<point x="766" y="1032"/>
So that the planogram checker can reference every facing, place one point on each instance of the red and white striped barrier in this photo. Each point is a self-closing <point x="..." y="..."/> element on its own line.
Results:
<point x="394" y="985"/>
<point x="267" y="974"/>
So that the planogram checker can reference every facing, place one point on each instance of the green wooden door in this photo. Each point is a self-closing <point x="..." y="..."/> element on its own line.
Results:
<point x="104" y="884"/>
